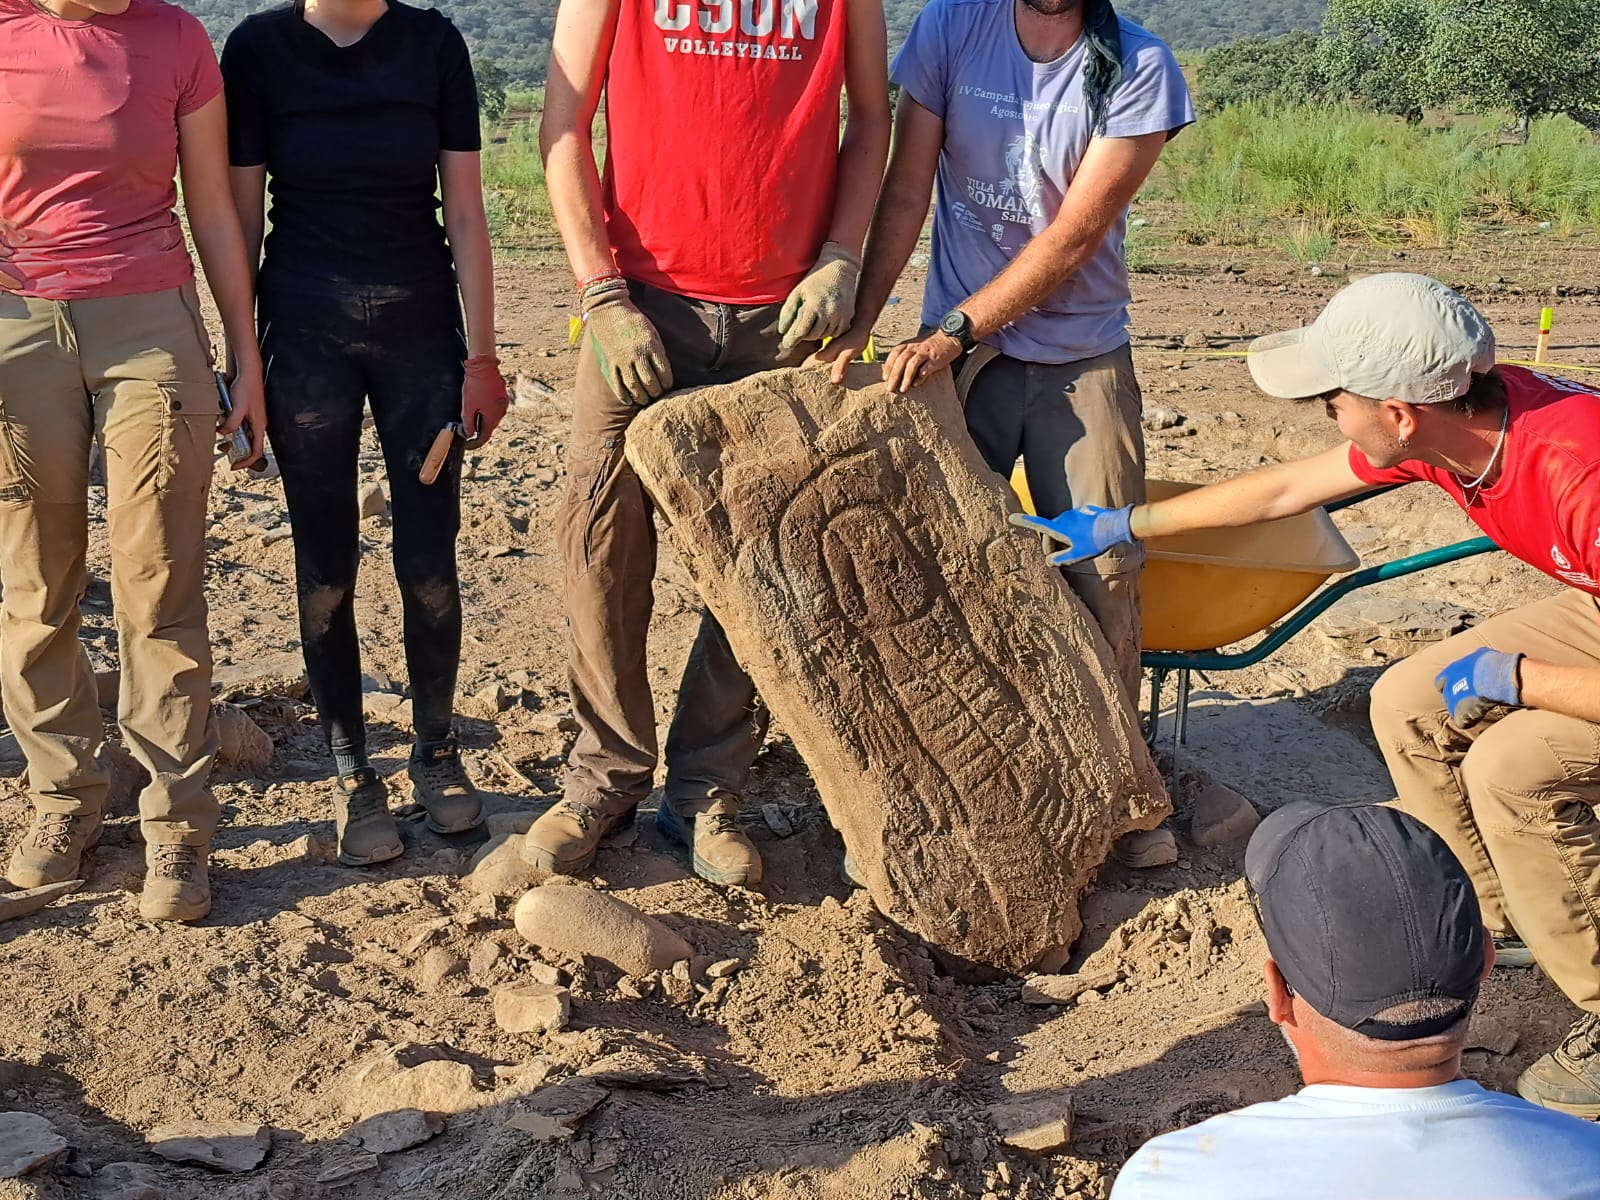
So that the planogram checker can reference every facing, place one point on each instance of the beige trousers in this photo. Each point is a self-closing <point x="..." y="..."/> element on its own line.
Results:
<point x="1514" y="796"/>
<point x="136" y="371"/>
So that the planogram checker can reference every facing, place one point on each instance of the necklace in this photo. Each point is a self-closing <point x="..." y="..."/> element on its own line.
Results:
<point x="1499" y="444"/>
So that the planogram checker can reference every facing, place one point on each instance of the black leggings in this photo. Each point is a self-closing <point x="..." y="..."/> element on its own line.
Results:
<point x="326" y="347"/>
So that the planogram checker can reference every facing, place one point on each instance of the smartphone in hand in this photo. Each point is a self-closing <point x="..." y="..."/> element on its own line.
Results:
<point x="238" y="443"/>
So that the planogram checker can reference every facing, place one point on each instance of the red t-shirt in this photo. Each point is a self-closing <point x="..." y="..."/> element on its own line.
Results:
<point x="722" y="118"/>
<point x="89" y="146"/>
<point x="1545" y="506"/>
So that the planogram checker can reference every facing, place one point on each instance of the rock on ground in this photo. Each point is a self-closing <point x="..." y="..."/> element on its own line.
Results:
<point x="128" y="1181"/>
<point x="578" y="921"/>
<point x="392" y="1132"/>
<point x="27" y="1142"/>
<point x="1221" y="816"/>
<point x="232" y="1146"/>
<point x="531" y="1008"/>
<point x="1039" y="1124"/>
<point x="241" y="743"/>
<point x="955" y="703"/>
<point x="498" y="868"/>
<point x="413" y="1076"/>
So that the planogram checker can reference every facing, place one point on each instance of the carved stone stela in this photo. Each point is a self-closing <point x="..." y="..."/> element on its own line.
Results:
<point x="955" y="705"/>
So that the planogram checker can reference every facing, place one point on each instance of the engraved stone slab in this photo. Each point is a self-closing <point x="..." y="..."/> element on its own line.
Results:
<point x="956" y="706"/>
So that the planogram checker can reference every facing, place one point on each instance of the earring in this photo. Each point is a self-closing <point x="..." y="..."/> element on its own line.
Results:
<point x="1404" y="443"/>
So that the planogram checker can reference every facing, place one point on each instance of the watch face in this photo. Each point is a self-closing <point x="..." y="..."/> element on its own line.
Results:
<point x="954" y="323"/>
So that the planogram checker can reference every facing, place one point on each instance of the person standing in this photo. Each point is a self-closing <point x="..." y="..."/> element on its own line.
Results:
<point x="723" y="240"/>
<point x="102" y="104"/>
<point x="361" y="112"/>
<point x="1039" y="120"/>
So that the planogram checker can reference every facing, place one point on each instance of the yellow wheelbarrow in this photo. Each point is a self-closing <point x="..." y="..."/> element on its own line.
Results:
<point x="1215" y="587"/>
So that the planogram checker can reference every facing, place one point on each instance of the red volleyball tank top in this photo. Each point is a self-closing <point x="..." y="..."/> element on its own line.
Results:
<point x="722" y="119"/>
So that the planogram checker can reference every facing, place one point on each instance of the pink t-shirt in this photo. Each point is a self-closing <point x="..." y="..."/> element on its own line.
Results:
<point x="89" y="147"/>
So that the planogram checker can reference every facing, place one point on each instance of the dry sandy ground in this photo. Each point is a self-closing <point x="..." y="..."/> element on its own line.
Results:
<point x="837" y="1063"/>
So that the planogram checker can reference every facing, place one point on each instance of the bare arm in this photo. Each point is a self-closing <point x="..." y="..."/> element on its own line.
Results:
<point x="896" y="224"/>
<point x="578" y="55"/>
<point x="865" y="144"/>
<point x="1571" y="691"/>
<point x="1264" y="495"/>
<point x="249" y="186"/>
<point x="461" y="187"/>
<point x="214" y="224"/>
<point x="1112" y="171"/>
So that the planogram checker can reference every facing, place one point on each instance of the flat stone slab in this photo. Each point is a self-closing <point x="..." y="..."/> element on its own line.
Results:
<point x="27" y="1142"/>
<point x="231" y="1146"/>
<point x="954" y="701"/>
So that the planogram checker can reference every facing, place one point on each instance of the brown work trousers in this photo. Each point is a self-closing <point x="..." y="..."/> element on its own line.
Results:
<point x="135" y="371"/>
<point x="1076" y="427"/>
<point x="607" y="536"/>
<point x="1514" y="796"/>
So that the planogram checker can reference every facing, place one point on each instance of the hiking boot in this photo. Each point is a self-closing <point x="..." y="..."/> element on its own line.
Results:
<point x="52" y="851"/>
<point x="177" y="884"/>
<point x="1511" y="951"/>
<point x="722" y="852"/>
<point x="1145" y="849"/>
<point x="361" y="818"/>
<point x="565" y="840"/>
<point x="1568" y="1078"/>
<point x="439" y="783"/>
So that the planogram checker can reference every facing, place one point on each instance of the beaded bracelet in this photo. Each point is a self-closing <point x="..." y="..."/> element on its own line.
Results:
<point x="615" y="284"/>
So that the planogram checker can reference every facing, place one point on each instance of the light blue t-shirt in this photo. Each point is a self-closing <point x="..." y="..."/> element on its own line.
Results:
<point x="1327" y="1142"/>
<point x="1014" y="133"/>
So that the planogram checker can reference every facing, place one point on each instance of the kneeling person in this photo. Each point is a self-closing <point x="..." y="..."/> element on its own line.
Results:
<point x="1493" y="736"/>
<point x="1377" y="950"/>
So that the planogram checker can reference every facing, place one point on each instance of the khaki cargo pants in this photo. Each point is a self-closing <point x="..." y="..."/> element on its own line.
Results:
<point x="1076" y="426"/>
<point x="1514" y="797"/>
<point x="136" y="370"/>
<point x="607" y="535"/>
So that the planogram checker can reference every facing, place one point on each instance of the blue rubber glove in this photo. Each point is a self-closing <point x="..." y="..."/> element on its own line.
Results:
<point x="1087" y="532"/>
<point x="1471" y="686"/>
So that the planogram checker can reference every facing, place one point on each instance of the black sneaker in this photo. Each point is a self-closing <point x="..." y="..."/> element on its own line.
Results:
<point x="439" y="783"/>
<point x="365" y="827"/>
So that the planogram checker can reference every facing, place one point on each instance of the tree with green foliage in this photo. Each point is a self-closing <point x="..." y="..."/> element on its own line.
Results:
<point x="1529" y="56"/>
<point x="1288" y="68"/>
<point x="492" y="80"/>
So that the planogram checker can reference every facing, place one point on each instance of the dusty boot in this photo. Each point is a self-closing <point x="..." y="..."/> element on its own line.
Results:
<point x="366" y="830"/>
<point x="177" y="884"/>
<point x="1568" y="1078"/>
<point x="565" y="840"/>
<point x="52" y="851"/>
<point x="439" y="783"/>
<point x="1145" y="849"/>
<point x="722" y="852"/>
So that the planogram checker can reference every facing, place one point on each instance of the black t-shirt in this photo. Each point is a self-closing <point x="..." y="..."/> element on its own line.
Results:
<point x="350" y="136"/>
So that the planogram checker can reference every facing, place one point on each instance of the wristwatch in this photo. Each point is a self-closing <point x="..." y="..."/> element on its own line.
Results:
<point x="959" y="326"/>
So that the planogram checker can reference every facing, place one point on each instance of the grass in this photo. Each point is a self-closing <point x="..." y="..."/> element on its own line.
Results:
<point x="1297" y="179"/>
<point x="1335" y="172"/>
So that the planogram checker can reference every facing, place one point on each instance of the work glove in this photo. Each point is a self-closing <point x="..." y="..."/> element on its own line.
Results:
<point x="483" y="398"/>
<point x="1087" y="532"/>
<point x="632" y="358"/>
<point x="1471" y="686"/>
<point x="822" y="304"/>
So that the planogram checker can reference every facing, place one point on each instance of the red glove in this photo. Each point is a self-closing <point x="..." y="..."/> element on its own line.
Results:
<point x="483" y="398"/>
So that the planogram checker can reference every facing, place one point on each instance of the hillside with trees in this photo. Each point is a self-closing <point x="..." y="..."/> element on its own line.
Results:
<point x="516" y="33"/>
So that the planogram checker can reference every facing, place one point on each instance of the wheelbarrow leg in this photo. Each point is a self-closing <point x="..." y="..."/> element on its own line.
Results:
<point x="1183" y="708"/>
<point x="1152" y="728"/>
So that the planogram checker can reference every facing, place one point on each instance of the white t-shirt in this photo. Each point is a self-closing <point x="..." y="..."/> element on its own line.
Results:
<point x="1330" y="1142"/>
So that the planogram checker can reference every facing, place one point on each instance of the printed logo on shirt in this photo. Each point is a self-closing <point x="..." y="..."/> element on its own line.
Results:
<point x="790" y="21"/>
<point x="1564" y="570"/>
<point x="966" y="217"/>
<point x="1560" y="559"/>
<point x="1013" y="200"/>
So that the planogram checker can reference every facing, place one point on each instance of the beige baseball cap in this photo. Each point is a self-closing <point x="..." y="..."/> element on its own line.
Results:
<point x="1402" y="336"/>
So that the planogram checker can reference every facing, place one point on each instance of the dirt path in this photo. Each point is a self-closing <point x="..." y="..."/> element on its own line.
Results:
<point x="837" y="1063"/>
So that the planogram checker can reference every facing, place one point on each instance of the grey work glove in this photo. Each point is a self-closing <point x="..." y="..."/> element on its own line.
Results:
<point x="629" y="349"/>
<point x="822" y="304"/>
